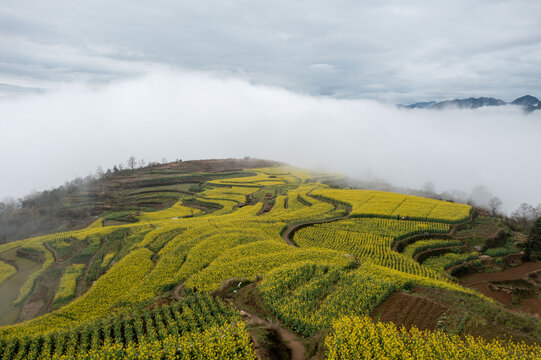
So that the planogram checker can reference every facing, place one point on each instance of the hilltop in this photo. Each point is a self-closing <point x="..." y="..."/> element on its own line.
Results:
<point x="253" y="258"/>
<point x="113" y="195"/>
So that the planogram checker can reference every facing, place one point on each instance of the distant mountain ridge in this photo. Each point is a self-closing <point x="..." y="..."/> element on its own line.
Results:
<point x="528" y="103"/>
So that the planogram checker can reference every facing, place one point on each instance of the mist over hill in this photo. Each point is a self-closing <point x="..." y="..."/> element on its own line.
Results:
<point x="48" y="139"/>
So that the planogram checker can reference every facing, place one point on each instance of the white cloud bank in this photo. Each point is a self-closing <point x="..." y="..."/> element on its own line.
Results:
<point x="49" y="138"/>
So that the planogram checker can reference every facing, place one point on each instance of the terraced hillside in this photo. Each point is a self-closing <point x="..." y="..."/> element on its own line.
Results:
<point x="275" y="244"/>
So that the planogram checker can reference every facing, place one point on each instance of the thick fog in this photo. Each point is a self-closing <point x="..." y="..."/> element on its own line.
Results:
<point x="46" y="139"/>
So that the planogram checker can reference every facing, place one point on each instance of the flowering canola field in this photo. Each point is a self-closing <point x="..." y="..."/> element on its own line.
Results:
<point x="339" y="268"/>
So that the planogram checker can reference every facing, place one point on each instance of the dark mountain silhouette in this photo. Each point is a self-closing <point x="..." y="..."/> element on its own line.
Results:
<point x="420" y="105"/>
<point x="470" y="103"/>
<point x="528" y="103"/>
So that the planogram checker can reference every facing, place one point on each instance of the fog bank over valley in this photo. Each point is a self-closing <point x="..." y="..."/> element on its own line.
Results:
<point x="46" y="139"/>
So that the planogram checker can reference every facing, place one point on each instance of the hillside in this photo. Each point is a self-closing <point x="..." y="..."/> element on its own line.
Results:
<point x="113" y="195"/>
<point x="249" y="258"/>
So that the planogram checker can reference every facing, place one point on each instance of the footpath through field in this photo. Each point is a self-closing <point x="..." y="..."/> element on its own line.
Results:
<point x="288" y="234"/>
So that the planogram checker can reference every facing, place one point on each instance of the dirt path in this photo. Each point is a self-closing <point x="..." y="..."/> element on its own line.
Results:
<point x="53" y="251"/>
<point x="296" y="348"/>
<point x="177" y="290"/>
<point x="290" y="232"/>
<point x="514" y="273"/>
<point x="420" y="257"/>
<point x="400" y="244"/>
<point x="272" y="339"/>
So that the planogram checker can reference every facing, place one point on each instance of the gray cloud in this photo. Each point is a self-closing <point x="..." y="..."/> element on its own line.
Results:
<point x="390" y="51"/>
<point x="49" y="138"/>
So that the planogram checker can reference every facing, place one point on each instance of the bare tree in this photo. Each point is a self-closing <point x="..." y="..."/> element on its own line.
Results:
<point x="524" y="215"/>
<point x="99" y="172"/>
<point x="538" y="211"/>
<point x="494" y="204"/>
<point x="132" y="162"/>
<point x="164" y="160"/>
<point x="142" y="163"/>
<point x="9" y="205"/>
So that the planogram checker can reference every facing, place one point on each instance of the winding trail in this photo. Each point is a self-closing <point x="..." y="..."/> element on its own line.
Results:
<point x="434" y="251"/>
<point x="53" y="251"/>
<point x="285" y="344"/>
<point x="290" y="340"/>
<point x="290" y="232"/>
<point x="176" y="291"/>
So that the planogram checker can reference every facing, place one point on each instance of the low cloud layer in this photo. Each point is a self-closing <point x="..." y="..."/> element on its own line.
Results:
<point x="46" y="139"/>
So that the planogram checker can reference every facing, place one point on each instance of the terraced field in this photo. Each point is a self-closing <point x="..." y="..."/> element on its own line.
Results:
<point x="314" y="255"/>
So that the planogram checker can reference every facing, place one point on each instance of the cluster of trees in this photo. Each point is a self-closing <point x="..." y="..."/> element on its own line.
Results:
<point x="131" y="164"/>
<point x="61" y="208"/>
<point x="533" y="246"/>
<point x="44" y="212"/>
<point x="9" y="205"/>
<point x="525" y="215"/>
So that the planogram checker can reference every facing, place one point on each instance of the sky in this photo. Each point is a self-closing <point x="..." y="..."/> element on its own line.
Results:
<point x="314" y="84"/>
<point x="389" y="51"/>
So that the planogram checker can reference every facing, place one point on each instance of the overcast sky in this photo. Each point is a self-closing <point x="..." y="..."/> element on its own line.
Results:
<point x="389" y="51"/>
<point x="90" y="83"/>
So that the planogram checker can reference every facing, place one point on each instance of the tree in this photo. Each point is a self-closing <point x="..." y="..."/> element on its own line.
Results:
<point x="99" y="172"/>
<point x="142" y="163"/>
<point x="538" y="211"/>
<point x="494" y="204"/>
<point x="9" y="206"/>
<point x="524" y="215"/>
<point x="132" y="162"/>
<point x="533" y="245"/>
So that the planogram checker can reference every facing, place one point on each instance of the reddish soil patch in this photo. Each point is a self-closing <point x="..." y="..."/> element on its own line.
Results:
<point x="35" y="303"/>
<point x="31" y="309"/>
<point x="531" y="306"/>
<point x="498" y="295"/>
<point x="409" y="310"/>
<point x="514" y="273"/>
<point x="516" y="288"/>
